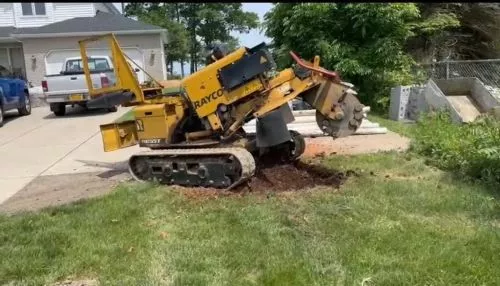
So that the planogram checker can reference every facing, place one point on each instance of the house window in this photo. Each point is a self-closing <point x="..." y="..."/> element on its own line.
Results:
<point x="31" y="9"/>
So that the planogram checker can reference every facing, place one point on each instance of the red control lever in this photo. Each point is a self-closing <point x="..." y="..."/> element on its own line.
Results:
<point x="326" y="73"/>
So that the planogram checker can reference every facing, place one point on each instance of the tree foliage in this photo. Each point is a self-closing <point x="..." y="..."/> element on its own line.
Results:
<point x="365" y="42"/>
<point x="165" y="16"/>
<point x="474" y="35"/>
<point x="191" y="26"/>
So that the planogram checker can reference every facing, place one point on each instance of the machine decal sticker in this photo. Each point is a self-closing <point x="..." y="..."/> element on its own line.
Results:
<point x="151" y="141"/>
<point x="214" y="95"/>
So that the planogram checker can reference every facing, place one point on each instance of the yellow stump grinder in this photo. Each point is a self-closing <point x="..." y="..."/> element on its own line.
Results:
<point x="194" y="126"/>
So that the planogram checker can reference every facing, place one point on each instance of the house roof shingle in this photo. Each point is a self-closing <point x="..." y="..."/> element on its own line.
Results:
<point x="101" y="22"/>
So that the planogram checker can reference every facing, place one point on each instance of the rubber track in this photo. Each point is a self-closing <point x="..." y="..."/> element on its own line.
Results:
<point x="245" y="158"/>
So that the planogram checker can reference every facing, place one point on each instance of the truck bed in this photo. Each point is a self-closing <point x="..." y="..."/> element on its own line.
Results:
<point x="73" y="82"/>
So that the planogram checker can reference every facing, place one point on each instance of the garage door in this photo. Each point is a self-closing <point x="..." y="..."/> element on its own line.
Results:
<point x="54" y="60"/>
<point x="4" y="60"/>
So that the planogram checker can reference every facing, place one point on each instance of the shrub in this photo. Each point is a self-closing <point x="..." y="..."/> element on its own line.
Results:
<point x="472" y="149"/>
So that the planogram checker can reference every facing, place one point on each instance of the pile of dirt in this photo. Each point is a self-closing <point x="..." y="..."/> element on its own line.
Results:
<point x="293" y="177"/>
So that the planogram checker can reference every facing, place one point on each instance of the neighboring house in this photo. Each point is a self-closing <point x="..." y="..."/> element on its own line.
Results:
<point x="35" y="38"/>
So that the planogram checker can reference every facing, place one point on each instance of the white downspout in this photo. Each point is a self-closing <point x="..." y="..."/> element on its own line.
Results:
<point x="163" y="58"/>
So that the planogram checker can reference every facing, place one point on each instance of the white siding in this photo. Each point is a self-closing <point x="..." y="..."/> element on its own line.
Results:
<point x="33" y="21"/>
<point x="163" y="59"/>
<point x="65" y="11"/>
<point x="6" y="15"/>
<point x="101" y="7"/>
<point x="11" y="14"/>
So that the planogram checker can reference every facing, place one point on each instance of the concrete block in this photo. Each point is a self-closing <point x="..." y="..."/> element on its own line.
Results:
<point x="495" y="91"/>
<point x="465" y="98"/>
<point x="414" y="103"/>
<point x="421" y="104"/>
<point x="400" y="97"/>
<point x="483" y="96"/>
<point x="436" y="100"/>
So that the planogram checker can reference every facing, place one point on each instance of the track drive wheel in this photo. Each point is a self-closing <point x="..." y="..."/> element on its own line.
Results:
<point x="289" y="151"/>
<point x="299" y="145"/>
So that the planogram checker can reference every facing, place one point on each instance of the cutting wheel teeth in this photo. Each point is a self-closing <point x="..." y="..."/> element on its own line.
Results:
<point x="359" y="115"/>
<point x="346" y="126"/>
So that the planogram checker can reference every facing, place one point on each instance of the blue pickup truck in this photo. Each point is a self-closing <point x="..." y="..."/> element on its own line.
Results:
<point x="14" y="94"/>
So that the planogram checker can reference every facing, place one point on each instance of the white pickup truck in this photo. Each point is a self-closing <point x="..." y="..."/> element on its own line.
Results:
<point x="69" y="87"/>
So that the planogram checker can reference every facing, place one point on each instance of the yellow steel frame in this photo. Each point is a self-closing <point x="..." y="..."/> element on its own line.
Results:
<point x="169" y="110"/>
<point x="125" y="79"/>
<point x="286" y="87"/>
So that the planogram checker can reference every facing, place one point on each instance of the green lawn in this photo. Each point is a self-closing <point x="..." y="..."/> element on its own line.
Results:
<point x="398" y="223"/>
<point x="405" y="129"/>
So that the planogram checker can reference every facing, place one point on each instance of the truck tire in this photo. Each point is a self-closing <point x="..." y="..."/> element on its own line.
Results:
<point x="1" y="115"/>
<point x="84" y="106"/>
<point x="59" y="109"/>
<point x="26" y="107"/>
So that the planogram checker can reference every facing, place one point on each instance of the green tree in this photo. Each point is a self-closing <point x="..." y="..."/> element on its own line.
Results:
<point x="168" y="17"/>
<point x="191" y="25"/>
<point x="211" y="22"/>
<point x="432" y="34"/>
<point x="364" y="42"/>
<point x="473" y="35"/>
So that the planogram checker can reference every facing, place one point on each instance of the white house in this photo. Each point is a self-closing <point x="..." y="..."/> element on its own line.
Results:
<point x="35" y="38"/>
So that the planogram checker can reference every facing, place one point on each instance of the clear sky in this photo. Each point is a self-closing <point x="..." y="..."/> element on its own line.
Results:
<point x="255" y="36"/>
<point x="249" y="40"/>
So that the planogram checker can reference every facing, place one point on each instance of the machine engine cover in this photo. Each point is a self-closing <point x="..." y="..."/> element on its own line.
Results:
<point x="245" y="69"/>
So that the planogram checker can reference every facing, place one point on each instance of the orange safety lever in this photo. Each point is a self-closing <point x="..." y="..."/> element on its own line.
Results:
<point x="326" y="73"/>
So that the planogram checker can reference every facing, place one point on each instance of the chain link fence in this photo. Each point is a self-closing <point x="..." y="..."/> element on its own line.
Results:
<point x="488" y="71"/>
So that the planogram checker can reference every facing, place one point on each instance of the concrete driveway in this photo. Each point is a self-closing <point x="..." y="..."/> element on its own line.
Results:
<point x="40" y="155"/>
<point x="42" y="144"/>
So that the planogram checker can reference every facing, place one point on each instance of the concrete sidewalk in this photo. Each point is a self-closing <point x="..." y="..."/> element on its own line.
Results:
<point x="42" y="144"/>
